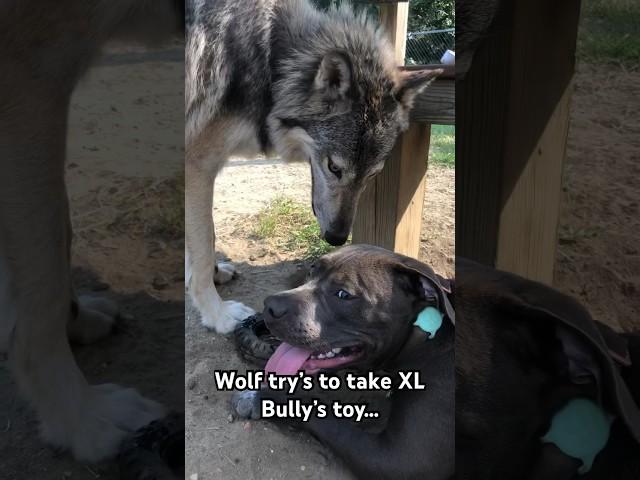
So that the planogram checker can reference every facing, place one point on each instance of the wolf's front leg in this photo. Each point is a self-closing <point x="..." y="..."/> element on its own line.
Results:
<point x="200" y="256"/>
<point x="36" y="304"/>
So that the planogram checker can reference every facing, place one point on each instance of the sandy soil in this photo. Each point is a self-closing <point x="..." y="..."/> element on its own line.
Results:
<point x="598" y="257"/>
<point x="216" y="447"/>
<point x="125" y="148"/>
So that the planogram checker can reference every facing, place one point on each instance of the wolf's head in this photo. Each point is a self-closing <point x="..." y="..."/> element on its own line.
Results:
<point x="339" y="102"/>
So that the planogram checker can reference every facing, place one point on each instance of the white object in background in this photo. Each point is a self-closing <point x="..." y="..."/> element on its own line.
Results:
<point x="449" y="58"/>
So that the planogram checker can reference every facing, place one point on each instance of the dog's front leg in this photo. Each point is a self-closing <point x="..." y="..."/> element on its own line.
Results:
<point x="200" y="256"/>
<point x="36" y="301"/>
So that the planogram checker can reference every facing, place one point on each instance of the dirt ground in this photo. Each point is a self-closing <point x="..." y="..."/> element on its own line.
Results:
<point x="216" y="447"/>
<point x="598" y="259"/>
<point x="125" y="109"/>
<point x="125" y="149"/>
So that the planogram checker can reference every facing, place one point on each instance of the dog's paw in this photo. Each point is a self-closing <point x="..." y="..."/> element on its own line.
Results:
<point x="95" y="319"/>
<point x="245" y="404"/>
<point x="224" y="273"/>
<point x="109" y="414"/>
<point x="228" y="317"/>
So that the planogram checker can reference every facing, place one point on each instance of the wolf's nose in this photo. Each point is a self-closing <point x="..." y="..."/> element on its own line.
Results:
<point x="336" y="239"/>
<point x="276" y="306"/>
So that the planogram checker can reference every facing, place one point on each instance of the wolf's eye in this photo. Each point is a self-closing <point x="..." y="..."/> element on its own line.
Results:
<point x="343" y="295"/>
<point x="333" y="168"/>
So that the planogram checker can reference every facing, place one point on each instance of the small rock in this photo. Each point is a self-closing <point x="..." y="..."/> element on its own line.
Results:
<point x="303" y="468"/>
<point x="252" y="258"/>
<point x="191" y="383"/>
<point x="193" y="476"/>
<point x="230" y="418"/>
<point x="159" y="282"/>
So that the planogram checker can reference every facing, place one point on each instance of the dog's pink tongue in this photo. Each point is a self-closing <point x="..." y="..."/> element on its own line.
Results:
<point x="287" y="360"/>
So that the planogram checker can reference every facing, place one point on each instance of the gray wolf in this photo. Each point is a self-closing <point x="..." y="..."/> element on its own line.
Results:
<point x="44" y="50"/>
<point x="361" y="302"/>
<point x="280" y="77"/>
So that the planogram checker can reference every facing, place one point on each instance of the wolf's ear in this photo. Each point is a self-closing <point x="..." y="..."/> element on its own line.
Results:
<point x="411" y="83"/>
<point x="333" y="78"/>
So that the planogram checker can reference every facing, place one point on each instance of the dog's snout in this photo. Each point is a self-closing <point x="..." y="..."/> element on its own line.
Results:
<point x="276" y="306"/>
<point x="336" y="239"/>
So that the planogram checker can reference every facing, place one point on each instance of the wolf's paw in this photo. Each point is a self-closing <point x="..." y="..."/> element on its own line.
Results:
<point x="95" y="431"/>
<point x="224" y="273"/>
<point x="228" y="317"/>
<point x="245" y="404"/>
<point x="95" y="319"/>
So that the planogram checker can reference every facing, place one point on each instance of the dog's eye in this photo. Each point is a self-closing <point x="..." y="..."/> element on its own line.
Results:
<point x="343" y="294"/>
<point x="333" y="168"/>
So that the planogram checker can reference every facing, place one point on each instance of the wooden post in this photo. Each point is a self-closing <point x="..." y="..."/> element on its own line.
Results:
<point x="390" y="210"/>
<point x="513" y="111"/>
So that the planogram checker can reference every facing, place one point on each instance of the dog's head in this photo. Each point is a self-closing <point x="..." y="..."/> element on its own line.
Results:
<point x="356" y="309"/>
<point x="340" y="102"/>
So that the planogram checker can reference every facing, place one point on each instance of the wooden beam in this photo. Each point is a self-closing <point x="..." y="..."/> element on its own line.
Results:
<point x="390" y="210"/>
<point x="436" y="104"/>
<point x="512" y="127"/>
<point x="395" y="20"/>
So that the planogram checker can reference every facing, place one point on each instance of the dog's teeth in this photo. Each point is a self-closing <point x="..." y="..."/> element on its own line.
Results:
<point x="330" y="354"/>
<point x="321" y="356"/>
<point x="336" y="350"/>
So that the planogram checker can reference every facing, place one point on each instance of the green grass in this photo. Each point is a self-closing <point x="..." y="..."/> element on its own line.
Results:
<point x="291" y="226"/>
<point x="610" y="32"/>
<point x="442" y="150"/>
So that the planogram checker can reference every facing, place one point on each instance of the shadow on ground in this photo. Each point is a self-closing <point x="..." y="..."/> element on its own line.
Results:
<point x="218" y="448"/>
<point x="146" y="352"/>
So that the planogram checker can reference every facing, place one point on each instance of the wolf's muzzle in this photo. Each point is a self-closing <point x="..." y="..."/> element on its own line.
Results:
<point x="336" y="239"/>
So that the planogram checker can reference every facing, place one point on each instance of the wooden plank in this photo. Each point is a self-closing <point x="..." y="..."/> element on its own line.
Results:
<point x="513" y="113"/>
<point x="480" y="125"/>
<point x="529" y="218"/>
<point x="395" y="19"/>
<point x="542" y="65"/>
<point x="390" y="210"/>
<point x="436" y="104"/>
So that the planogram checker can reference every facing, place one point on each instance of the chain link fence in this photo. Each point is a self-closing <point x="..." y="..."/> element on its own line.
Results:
<point x="423" y="48"/>
<point x="428" y="47"/>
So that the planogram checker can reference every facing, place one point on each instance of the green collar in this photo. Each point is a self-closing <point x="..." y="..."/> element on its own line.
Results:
<point x="429" y="321"/>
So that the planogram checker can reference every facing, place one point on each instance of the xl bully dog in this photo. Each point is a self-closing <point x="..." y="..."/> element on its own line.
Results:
<point x="45" y="47"/>
<point x="280" y="77"/>
<point x="523" y="353"/>
<point x="357" y="311"/>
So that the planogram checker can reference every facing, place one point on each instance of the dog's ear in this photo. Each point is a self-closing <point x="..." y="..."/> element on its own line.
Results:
<point x="432" y="287"/>
<point x="333" y="79"/>
<point x="412" y="83"/>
